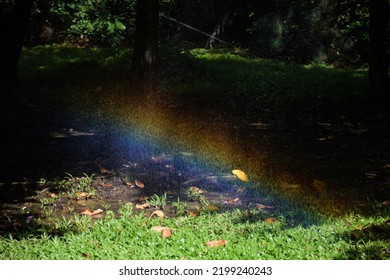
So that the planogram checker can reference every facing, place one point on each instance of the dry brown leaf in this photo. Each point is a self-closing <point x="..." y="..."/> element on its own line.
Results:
<point x="53" y="195"/>
<point x="89" y="212"/>
<point x="103" y="184"/>
<point x="211" y="208"/>
<point x="386" y="203"/>
<point x="240" y="175"/>
<point x="196" y="190"/>
<point x="359" y="227"/>
<point x="262" y="206"/>
<point x="216" y="243"/>
<point x="166" y="232"/>
<point x="142" y="206"/>
<point x="270" y="220"/>
<point x="87" y="256"/>
<point x="232" y="200"/>
<point x="286" y="185"/>
<point x="81" y="195"/>
<point x="158" y="213"/>
<point x="105" y="171"/>
<point x="143" y="198"/>
<point x="139" y="184"/>
<point x="129" y="184"/>
<point x="319" y="185"/>
<point x="193" y="213"/>
<point x="158" y="228"/>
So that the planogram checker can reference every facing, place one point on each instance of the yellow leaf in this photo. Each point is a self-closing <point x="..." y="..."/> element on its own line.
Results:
<point x="240" y="175"/>
<point x="158" y="213"/>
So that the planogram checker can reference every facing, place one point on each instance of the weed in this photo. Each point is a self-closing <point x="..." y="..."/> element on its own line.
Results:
<point x="180" y="207"/>
<point x="79" y="187"/>
<point x="158" y="201"/>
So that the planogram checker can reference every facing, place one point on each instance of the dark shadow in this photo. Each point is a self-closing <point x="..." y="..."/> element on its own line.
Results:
<point x="371" y="242"/>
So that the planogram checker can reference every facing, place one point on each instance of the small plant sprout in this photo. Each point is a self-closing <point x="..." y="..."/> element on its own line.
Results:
<point x="158" y="201"/>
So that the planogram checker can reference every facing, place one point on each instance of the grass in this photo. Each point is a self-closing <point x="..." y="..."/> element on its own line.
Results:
<point x="130" y="237"/>
<point x="291" y="98"/>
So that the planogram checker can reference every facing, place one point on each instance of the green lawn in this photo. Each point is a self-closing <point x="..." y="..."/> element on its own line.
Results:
<point x="287" y="125"/>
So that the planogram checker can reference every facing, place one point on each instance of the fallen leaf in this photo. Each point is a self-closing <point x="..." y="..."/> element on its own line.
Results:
<point x="129" y="184"/>
<point x="319" y="185"/>
<point x="262" y="206"/>
<point x="89" y="212"/>
<point x="82" y="195"/>
<point x="139" y="184"/>
<point x="193" y="213"/>
<point x="129" y="203"/>
<point x="105" y="171"/>
<point x="286" y="185"/>
<point x="142" y="206"/>
<point x="359" y="227"/>
<point x="240" y="175"/>
<point x="166" y="232"/>
<point x="216" y="243"/>
<point x="87" y="256"/>
<point x="270" y="220"/>
<point x="143" y="198"/>
<point x="386" y="203"/>
<point x="196" y="190"/>
<point x="158" y="213"/>
<point x="158" y="228"/>
<point x="53" y="195"/>
<point x="231" y="200"/>
<point x="211" y="208"/>
<point x="105" y="184"/>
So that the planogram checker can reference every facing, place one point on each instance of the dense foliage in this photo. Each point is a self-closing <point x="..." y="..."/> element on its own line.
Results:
<point x="295" y="30"/>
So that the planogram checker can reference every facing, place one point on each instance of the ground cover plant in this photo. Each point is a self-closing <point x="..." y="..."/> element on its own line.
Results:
<point x="234" y="157"/>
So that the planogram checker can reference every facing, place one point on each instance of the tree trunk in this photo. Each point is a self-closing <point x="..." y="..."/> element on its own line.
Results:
<point x="379" y="61"/>
<point x="13" y="31"/>
<point x="144" y="61"/>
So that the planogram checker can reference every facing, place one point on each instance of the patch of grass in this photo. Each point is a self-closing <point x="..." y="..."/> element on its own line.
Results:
<point x="79" y="187"/>
<point x="158" y="201"/>
<point x="130" y="237"/>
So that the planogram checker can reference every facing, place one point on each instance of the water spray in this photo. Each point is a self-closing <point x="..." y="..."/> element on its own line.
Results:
<point x="196" y="30"/>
